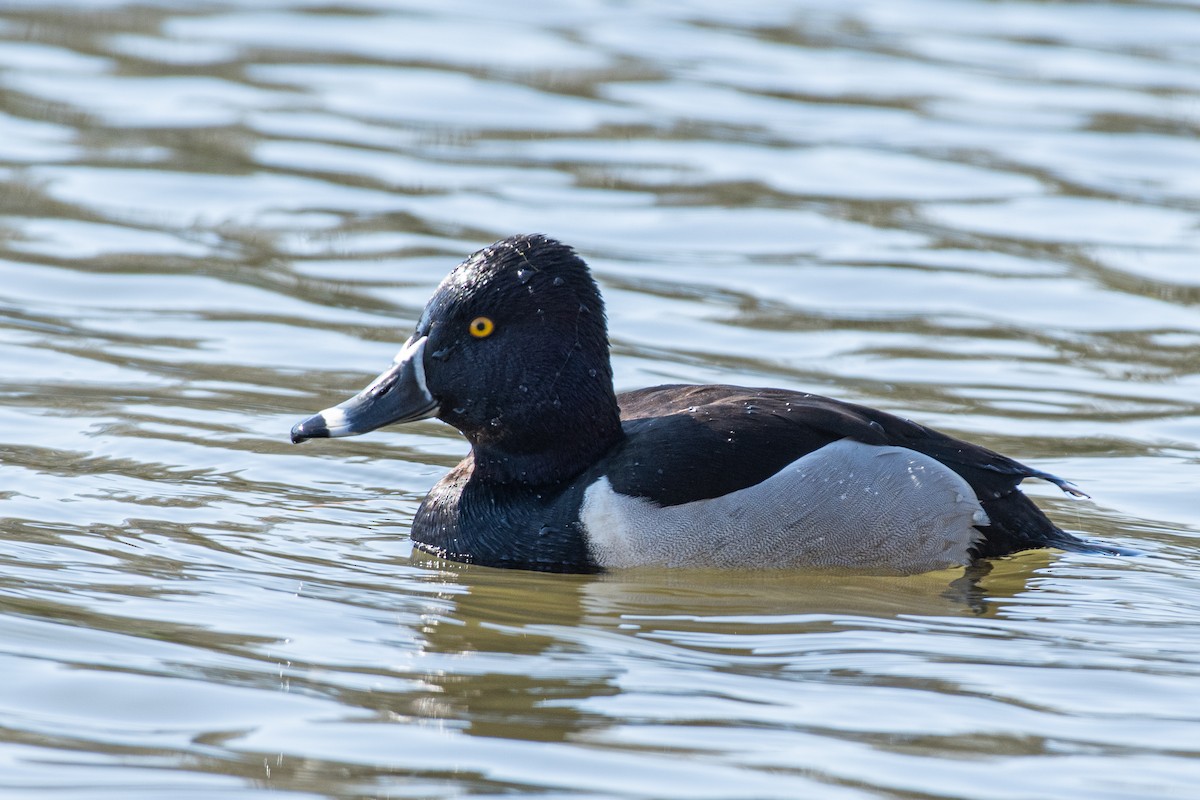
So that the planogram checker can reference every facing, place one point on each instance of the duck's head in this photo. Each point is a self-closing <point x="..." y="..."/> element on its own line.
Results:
<point x="512" y="349"/>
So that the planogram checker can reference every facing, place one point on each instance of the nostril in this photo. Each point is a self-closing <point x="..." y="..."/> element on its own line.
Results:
<point x="385" y="387"/>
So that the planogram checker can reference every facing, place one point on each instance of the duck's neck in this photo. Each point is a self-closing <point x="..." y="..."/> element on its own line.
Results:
<point x="549" y="443"/>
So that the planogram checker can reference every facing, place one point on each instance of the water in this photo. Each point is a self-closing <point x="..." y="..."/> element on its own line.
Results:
<point x="217" y="218"/>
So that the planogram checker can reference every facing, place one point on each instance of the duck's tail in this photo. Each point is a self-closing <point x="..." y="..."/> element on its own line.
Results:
<point x="1073" y="544"/>
<point x="1017" y="524"/>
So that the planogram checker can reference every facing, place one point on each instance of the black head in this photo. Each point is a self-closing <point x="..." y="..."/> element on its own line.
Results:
<point x="512" y="349"/>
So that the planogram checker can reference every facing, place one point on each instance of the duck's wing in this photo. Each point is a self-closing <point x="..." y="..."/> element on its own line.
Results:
<point x="687" y="443"/>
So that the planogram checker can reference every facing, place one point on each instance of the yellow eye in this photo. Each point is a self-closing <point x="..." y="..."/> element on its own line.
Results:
<point x="481" y="327"/>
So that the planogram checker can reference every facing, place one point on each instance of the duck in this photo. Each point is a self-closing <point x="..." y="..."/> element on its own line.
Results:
<point x="566" y="475"/>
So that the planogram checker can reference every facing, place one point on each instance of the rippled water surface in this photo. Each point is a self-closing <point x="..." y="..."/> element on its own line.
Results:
<point x="216" y="218"/>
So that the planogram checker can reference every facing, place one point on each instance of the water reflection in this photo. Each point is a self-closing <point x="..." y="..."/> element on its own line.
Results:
<point x="508" y="648"/>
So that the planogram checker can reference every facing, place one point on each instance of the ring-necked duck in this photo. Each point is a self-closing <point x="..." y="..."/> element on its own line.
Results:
<point x="565" y="475"/>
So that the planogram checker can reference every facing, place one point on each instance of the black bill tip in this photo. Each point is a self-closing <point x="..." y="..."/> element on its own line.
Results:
<point x="315" y="427"/>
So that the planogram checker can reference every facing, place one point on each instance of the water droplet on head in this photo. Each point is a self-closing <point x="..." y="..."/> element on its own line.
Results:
<point x="523" y="275"/>
<point x="558" y="281"/>
<point x="592" y="373"/>
<point x="495" y="422"/>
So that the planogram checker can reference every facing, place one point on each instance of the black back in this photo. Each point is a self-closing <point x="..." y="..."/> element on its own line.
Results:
<point x="687" y="443"/>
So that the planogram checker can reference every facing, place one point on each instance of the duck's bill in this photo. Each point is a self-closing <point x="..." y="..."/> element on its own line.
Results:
<point x="398" y="395"/>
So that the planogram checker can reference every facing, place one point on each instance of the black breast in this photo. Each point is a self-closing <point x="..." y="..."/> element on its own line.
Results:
<point x="466" y="519"/>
